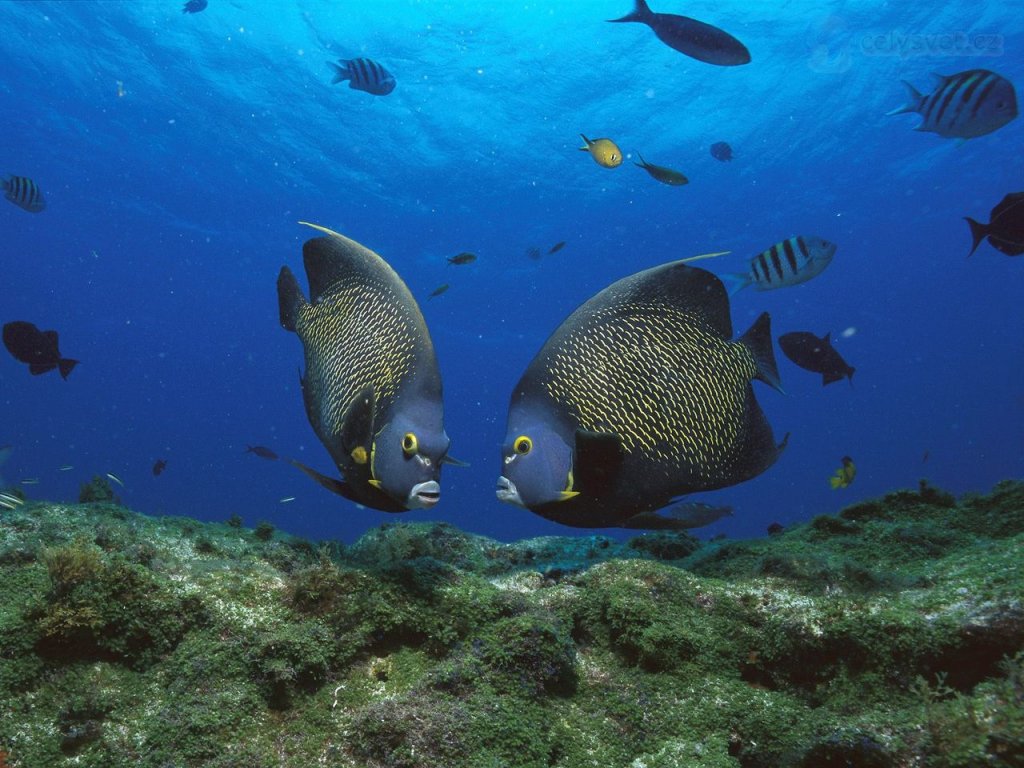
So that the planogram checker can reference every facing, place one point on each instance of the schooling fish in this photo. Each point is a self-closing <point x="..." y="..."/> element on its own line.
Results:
<point x="963" y="106"/>
<point x="694" y="38"/>
<point x="639" y="397"/>
<point x="372" y="387"/>
<point x="721" y="151"/>
<point x="24" y="193"/>
<point x="662" y="174"/>
<point x="556" y="247"/>
<point x="261" y="451"/>
<point x="844" y="475"/>
<point x="816" y="355"/>
<point x="1005" y="229"/>
<point x="439" y="290"/>
<point x="790" y="262"/>
<point x="364" y="75"/>
<point x="462" y="258"/>
<point x="604" y="151"/>
<point x="27" y="344"/>
<point x="194" y="6"/>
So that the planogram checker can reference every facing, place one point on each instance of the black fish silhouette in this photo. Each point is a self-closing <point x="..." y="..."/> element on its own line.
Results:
<point x="816" y="355"/>
<point x="694" y="38"/>
<point x="39" y="349"/>
<point x="1005" y="229"/>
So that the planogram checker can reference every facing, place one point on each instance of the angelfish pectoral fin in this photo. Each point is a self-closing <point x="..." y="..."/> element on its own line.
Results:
<point x="597" y="461"/>
<point x="332" y="484"/>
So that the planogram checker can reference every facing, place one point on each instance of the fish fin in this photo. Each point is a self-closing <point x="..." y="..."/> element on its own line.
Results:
<point x="979" y="232"/>
<point x="735" y="282"/>
<point x="835" y="481"/>
<point x="914" y="99"/>
<point x="831" y="377"/>
<point x="332" y="484"/>
<point x="758" y="339"/>
<point x="39" y="368"/>
<point x="340" y="73"/>
<point x="290" y="300"/>
<point x="677" y="517"/>
<point x="357" y="429"/>
<point x="328" y="259"/>
<point x="453" y="461"/>
<point x="597" y="461"/>
<point x="586" y="144"/>
<point x="66" y="366"/>
<point x="641" y="12"/>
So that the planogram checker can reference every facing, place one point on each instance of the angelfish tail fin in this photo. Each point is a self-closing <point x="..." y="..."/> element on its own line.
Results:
<point x="758" y="340"/>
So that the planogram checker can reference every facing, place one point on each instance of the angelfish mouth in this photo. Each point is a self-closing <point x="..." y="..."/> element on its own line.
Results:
<point x="424" y="495"/>
<point x="507" y="492"/>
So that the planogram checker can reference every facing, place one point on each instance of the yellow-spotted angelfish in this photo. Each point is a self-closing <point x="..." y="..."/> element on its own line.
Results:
<point x="639" y="397"/>
<point x="604" y="151"/>
<point x="372" y="387"/>
<point x="843" y="476"/>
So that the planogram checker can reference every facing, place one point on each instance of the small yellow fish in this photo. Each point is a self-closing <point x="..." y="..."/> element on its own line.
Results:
<point x="604" y="151"/>
<point x="844" y="475"/>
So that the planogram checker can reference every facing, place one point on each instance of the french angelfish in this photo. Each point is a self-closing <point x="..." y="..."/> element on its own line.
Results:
<point x="372" y="387"/>
<point x="691" y="37"/>
<point x="790" y="262"/>
<point x="963" y="106"/>
<point x="638" y="398"/>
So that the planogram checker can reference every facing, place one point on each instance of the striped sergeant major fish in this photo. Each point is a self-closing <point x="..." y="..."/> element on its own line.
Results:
<point x="364" y="75"/>
<point x="24" y="193"/>
<point x="963" y="106"/>
<point x="792" y="261"/>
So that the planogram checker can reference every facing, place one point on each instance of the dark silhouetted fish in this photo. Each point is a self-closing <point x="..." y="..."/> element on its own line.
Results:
<point x="263" y="453"/>
<point x="720" y="150"/>
<point x="372" y="387"/>
<point x="462" y="258"/>
<point x="439" y="290"/>
<point x="790" y="262"/>
<point x="364" y="75"/>
<point x="39" y="349"/>
<point x="694" y="38"/>
<point x="556" y="247"/>
<point x="662" y="174"/>
<point x="194" y="6"/>
<point x="816" y="355"/>
<point x="158" y="467"/>
<point x="1005" y="229"/>
<point x="24" y="193"/>
<point x="963" y="106"/>
<point x="639" y="397"/>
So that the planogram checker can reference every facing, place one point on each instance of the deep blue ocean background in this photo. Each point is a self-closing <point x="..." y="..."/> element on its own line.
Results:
<point x="178" y="152"/>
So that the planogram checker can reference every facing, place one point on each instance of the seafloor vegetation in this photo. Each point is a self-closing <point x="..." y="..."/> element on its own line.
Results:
<point x="889" y="635"/>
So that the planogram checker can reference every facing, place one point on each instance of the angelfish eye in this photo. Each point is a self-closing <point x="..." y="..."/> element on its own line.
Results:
<point x="409" y="444"/>
<point x="523" y="445"/>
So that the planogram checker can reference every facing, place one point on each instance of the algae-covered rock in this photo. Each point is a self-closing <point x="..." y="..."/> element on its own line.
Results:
<point x="891" y="634"/>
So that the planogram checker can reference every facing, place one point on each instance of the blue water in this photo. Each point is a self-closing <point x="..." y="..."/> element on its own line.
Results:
<point x="172" y="206"/>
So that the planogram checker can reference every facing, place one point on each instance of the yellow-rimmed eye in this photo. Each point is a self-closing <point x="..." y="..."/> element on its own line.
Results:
<point x="410" y="444"/>
<point x="523" y="445"/>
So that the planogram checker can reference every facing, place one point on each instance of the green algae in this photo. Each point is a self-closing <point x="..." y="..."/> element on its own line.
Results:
<point x="890" y="634"/>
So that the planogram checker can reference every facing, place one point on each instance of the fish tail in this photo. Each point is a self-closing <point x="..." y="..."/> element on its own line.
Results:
<point x="641" y="12"/>
<point x="340" y="73"/>
<point x="836" y="481"/>
<point x="289" y="298"/>
<point x="66" y="366"/>
<point x="758" y="339"/>
<point x="735" y="282"/>
<point x="642" y="163"/>
<point x="586" y="142"/>
<point x="914" y="101"/>
<point x="979" y="232"/>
